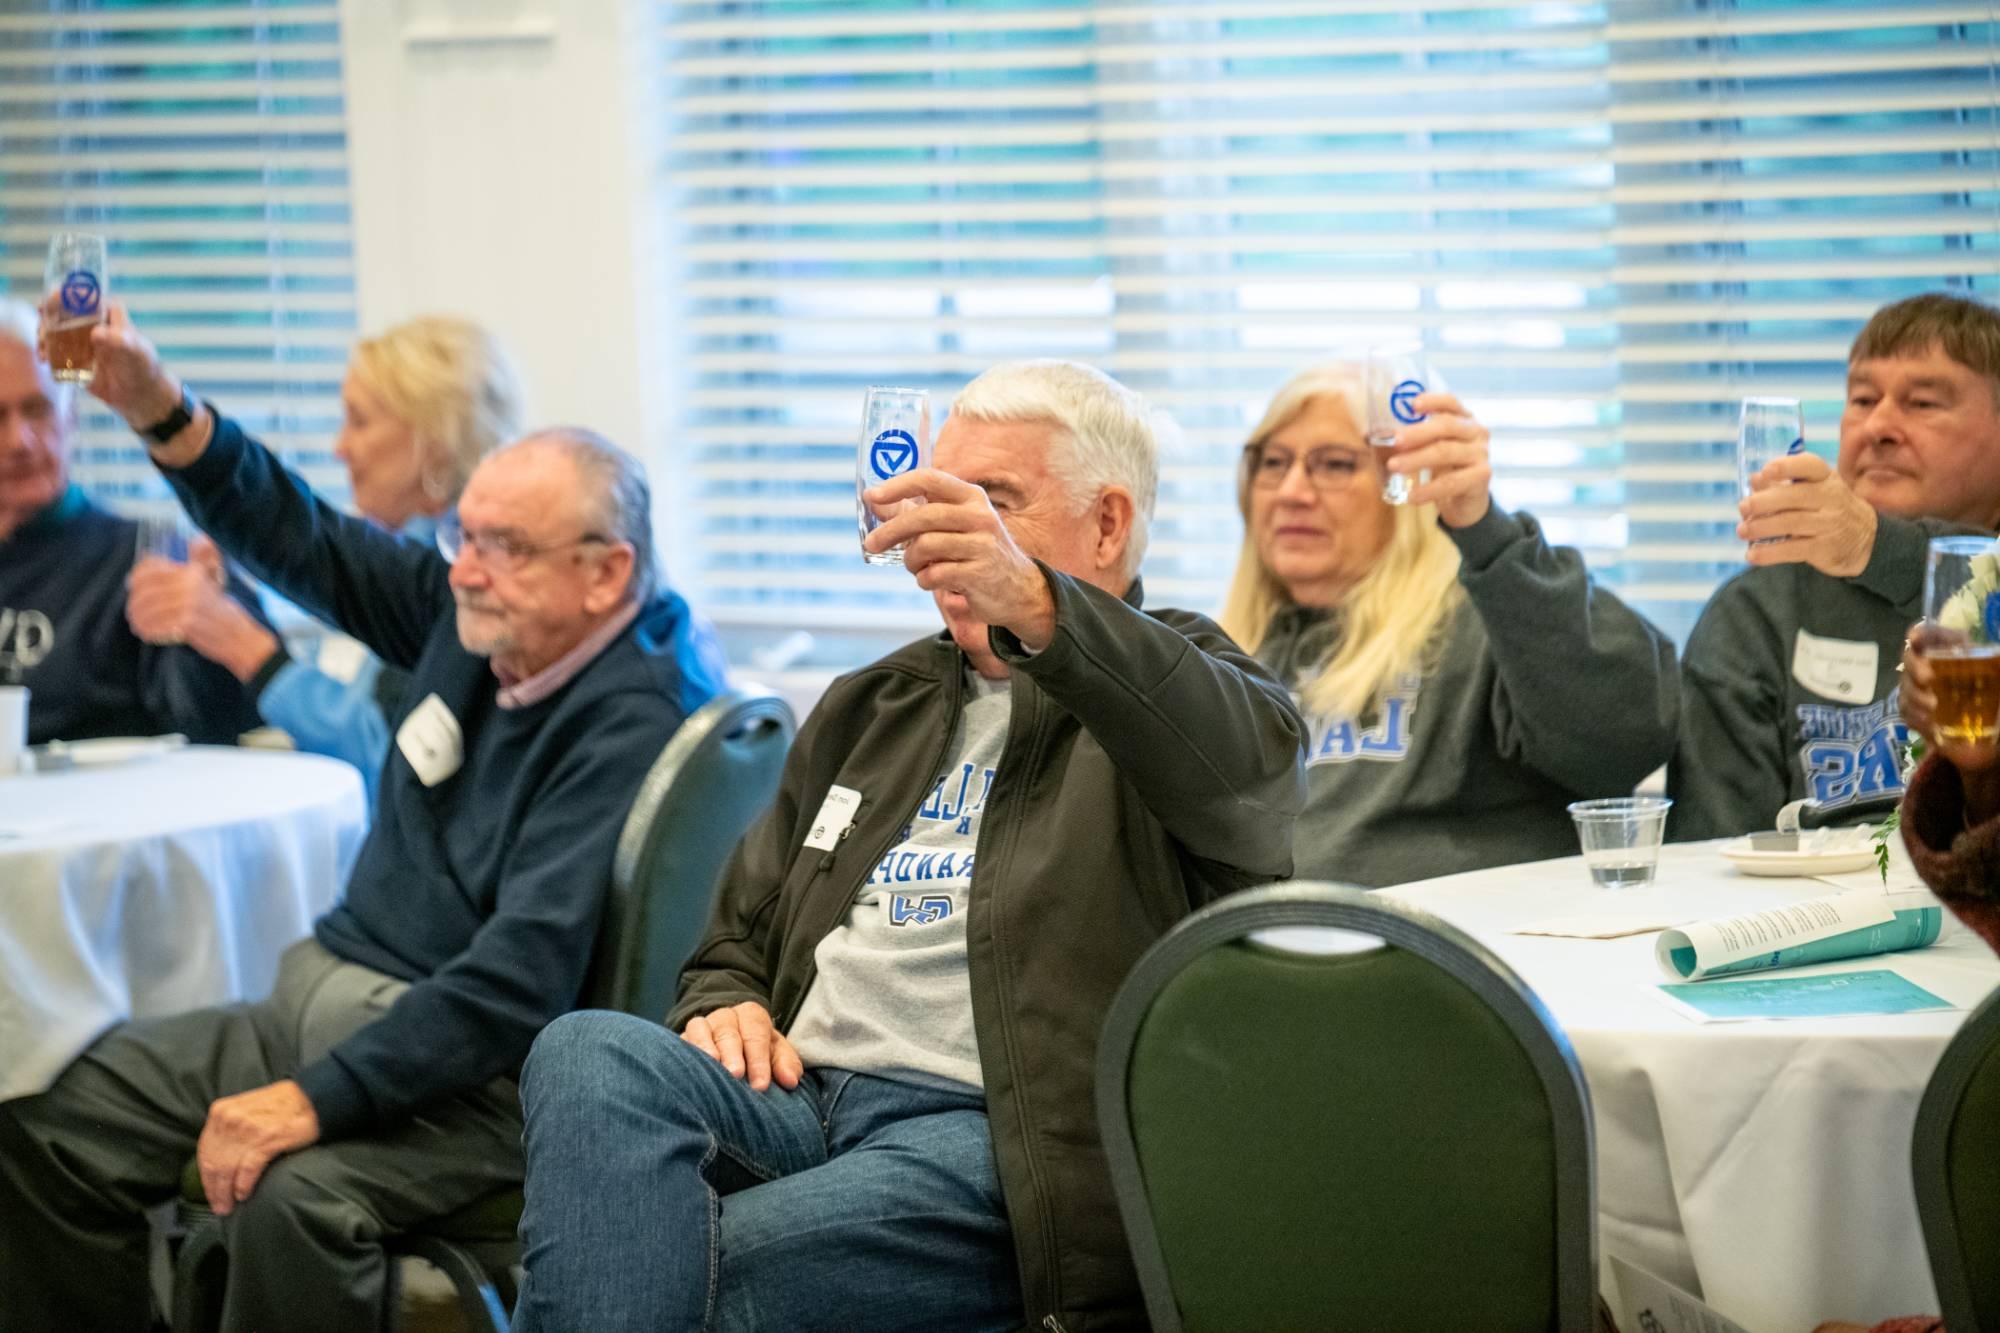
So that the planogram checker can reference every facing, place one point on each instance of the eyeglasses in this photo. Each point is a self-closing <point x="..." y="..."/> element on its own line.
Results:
<point x="1327" y="468"/>
<point x="500" y="551"/>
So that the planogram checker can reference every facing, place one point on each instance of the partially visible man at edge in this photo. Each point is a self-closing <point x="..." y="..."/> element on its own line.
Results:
<point x="375" y="1087"/>
<point x="87" y="632"/>
<point x="1789" y="678"/>
<point x="878" y="1112"/>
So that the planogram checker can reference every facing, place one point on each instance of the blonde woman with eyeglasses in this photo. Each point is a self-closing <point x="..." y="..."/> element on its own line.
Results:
<point x="1462" y="679"/>
<point x="421" y="404"/>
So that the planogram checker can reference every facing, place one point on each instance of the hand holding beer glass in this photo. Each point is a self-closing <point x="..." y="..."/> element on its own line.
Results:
<point x="895" y="438"/>
<point x="1397" y="374"/>
<point x="1951" y="676"/>
<point x="76" y="281"/>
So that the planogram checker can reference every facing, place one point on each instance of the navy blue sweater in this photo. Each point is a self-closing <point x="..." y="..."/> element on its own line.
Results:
<point x="484" y="891"/>
<point x="63" y="635"/>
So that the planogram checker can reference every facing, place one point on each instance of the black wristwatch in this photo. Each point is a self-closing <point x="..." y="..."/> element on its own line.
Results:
<point x="174" y="422"/>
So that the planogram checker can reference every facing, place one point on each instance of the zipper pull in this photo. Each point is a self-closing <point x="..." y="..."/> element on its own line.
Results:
<point x="1052" y="1324"/>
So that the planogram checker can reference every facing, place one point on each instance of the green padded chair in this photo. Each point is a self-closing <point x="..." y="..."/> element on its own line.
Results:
<point x="1366" y="1131"/>
<point x="1956" y="1156"/>
<point x="717" y="774"/>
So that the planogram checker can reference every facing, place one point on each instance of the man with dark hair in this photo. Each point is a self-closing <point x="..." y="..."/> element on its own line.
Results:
<point x="375" y="1087"/>
<point x="1789" y="677"/>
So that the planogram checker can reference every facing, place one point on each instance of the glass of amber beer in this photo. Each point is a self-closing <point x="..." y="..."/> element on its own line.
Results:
<point x="76" y="277"/>
<point x="1962" y="637"/>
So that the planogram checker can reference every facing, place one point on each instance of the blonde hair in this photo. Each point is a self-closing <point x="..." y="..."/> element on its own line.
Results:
<point x="1107" y="435"/>
<point x="453" y="385"/>
<point x="1393" y="617"/>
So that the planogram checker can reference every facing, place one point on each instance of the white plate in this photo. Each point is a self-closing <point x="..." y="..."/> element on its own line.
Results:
<point x="1798" y="864"/>
<point x="112" y="749"/>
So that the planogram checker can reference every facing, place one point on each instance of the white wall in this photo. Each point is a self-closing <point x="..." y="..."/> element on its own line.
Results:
<point x="503" y="156"/>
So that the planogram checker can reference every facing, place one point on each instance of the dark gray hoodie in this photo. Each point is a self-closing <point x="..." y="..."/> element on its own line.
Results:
<point x="1545" y="688"/>
<point x="1789" y="688"/>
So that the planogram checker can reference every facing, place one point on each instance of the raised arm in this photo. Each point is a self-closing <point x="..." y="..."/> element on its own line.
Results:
<point x="1587" y="691"/>
<point x="386" y="592"/>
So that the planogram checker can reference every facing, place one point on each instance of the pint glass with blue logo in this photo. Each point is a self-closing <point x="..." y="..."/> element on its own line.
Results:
<point x="76" y="277"/>
<point x="895" y="438"/>
<point x="1397" y="375"/>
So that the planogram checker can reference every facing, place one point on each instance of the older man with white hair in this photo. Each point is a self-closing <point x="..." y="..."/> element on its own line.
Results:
<point x="375" y="1087"/>
<point x="86" y="631"/>
<point x="871" y="1104"/>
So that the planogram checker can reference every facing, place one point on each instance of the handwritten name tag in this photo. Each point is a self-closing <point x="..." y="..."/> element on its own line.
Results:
<point x="1842" y="669"/>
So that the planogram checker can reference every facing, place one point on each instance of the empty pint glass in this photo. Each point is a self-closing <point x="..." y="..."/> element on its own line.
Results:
<point x="1767" y="429"/>
<point x="1397" y="374"/>
<point x="76" y="275"/>
<point x="895" y="438"/>
<point x="1962" y="637"/>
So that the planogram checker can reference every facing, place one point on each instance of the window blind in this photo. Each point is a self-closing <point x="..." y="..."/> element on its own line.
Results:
<point x="1608" y="221"/>
<point x="206" y="142"/>
<point x="1783" y="169"/>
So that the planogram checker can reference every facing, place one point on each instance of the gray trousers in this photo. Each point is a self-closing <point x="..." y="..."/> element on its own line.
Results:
<point x="80" y="1164"/>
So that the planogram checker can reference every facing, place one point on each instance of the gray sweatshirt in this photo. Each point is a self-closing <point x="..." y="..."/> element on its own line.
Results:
<point x="1545" y="689"/>
<point x="1789" y="688"/>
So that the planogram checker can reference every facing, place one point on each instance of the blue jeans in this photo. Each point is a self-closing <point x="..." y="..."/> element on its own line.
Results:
<point x="664" y="1195"/>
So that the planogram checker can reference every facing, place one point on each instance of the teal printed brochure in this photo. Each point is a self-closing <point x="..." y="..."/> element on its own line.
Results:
<point x="1910" y="928"/>
<point x="1877" y="991"/>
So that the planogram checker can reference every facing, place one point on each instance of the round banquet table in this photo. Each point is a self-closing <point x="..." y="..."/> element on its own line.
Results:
<point x="1763" y="1166"/>
<point x="156" y="885"/>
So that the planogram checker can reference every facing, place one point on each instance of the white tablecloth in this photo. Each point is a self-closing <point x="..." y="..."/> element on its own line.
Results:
<point x="158" y="885"/>
<point x="1764" y="1166"/>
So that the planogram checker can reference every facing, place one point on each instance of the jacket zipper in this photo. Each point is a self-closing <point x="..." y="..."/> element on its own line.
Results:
<point x="1052" y="1324"/>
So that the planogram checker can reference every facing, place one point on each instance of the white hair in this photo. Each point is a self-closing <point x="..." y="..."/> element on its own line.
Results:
<point x="1106" y="435"/>
<point x="19" y="323"/>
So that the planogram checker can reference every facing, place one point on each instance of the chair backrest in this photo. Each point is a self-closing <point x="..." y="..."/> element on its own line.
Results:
<point x="1391" y="1135"/>
<point x="1956" y="1157"/>
<point x="717" y="774"/>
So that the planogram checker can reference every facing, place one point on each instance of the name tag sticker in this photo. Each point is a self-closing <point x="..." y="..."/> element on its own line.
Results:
<point x="835" y="817"/>
<point x="431" y="740"/>
<point x="341" y="658"/>
<point x="1842" y="669"/>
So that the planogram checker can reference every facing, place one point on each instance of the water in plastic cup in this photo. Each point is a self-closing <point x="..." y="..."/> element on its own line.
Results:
<point x="1621" y="838"/>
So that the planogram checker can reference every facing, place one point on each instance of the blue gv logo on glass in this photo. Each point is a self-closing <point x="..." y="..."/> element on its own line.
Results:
<point x="893" y="451"/>
<point x="1403" y="401"/>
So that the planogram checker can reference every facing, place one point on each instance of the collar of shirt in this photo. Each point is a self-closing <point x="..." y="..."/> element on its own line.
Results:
<point x="525" y="693"/>
<point x="67" y="506"/>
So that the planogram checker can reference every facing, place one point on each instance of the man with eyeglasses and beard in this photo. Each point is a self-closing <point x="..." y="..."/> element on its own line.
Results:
<point x="375" y="1087"/>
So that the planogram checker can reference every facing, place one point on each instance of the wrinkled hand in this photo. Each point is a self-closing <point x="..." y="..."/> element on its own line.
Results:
<point x="245" y="1134"/>
<point x="955" y="542"/>
<point x="1917" y="699"/>
<point x="746" y="1043"/>
<point x="1816" y="519"/>
<point x="128" y="377"/>
<point x="1452" y="446"/>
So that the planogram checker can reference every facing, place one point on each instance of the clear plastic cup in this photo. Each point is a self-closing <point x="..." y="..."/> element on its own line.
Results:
<point x="1621" y="838"/>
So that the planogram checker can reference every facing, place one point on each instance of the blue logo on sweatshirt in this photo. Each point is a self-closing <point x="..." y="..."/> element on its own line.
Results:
<point x="1384" y="738"/>
<point x="1851" y="754"/>
<point x="925" y="911"/>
